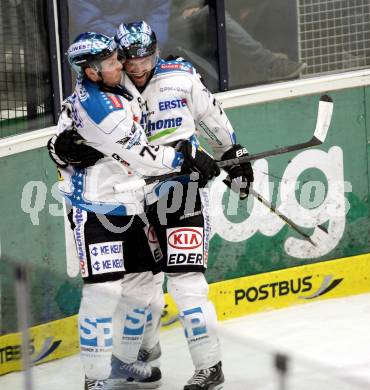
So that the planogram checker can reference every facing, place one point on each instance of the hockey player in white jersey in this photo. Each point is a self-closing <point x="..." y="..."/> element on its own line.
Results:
<point x="110" y="235"/>
<point x="177" y="107"/>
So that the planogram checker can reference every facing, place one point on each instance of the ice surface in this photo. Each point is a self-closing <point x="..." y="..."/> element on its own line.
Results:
<point x="328" y="344"/>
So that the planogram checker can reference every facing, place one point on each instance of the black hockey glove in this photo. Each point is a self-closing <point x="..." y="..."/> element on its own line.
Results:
<point x="195" y="160"/>
<point x="239" y="176"/>
<point x="67" y="148"/>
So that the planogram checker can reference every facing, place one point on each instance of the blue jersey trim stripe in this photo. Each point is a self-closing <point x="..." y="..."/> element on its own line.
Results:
<point x="98" y="105"/>
<point x="98" y="208"/>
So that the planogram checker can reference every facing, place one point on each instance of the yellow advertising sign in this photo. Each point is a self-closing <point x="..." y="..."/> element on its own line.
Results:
<point x="49" y="341"/>
<point x="291" y="286"/>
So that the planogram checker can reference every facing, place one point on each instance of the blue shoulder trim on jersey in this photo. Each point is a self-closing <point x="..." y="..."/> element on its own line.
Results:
<point x="233" y="138"/>
<point x="98" y="104"/>
<point x="98" y="208"/>
<point x="174" y="66"/>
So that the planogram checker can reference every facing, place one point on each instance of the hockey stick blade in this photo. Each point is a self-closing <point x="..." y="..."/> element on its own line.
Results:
<point x="324" y="115"/>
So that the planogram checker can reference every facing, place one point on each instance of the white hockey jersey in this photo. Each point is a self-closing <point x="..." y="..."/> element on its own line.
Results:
<point x="106" y="122"/>
<point x="175" y="105"/>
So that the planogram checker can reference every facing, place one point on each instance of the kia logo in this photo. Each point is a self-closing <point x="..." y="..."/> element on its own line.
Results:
<point x="185" y="238"/>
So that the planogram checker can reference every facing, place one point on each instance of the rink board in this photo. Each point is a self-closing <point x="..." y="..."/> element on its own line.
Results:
<point x="291" y="286"/>
<point x="53" y="340"/>
<point x="232" y="298"/>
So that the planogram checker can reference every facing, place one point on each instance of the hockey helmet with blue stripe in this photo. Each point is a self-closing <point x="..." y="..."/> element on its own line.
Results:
<point x="89" y="49"/>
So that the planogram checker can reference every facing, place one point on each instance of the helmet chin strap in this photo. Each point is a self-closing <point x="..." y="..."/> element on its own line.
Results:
<point x="98" y="69"/>
<point x="96" y="65"/>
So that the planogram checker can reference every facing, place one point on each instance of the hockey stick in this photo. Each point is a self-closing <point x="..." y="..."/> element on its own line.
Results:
<point x="142" y="182"/>
<point x="323" y="120"/>
<point x="283" y="217"/>
<point x="324" y="115"/>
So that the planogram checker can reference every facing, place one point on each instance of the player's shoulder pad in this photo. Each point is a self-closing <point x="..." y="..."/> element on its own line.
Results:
<point x="99" y="104"/>
<point x="174" y="66"/>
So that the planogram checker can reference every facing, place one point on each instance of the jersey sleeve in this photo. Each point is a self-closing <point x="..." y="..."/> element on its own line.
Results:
<point x="210" y="119"/>
<point x="117" y="135"/>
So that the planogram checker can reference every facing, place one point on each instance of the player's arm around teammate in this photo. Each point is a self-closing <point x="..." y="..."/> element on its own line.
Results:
<point x="110" y="235"/>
